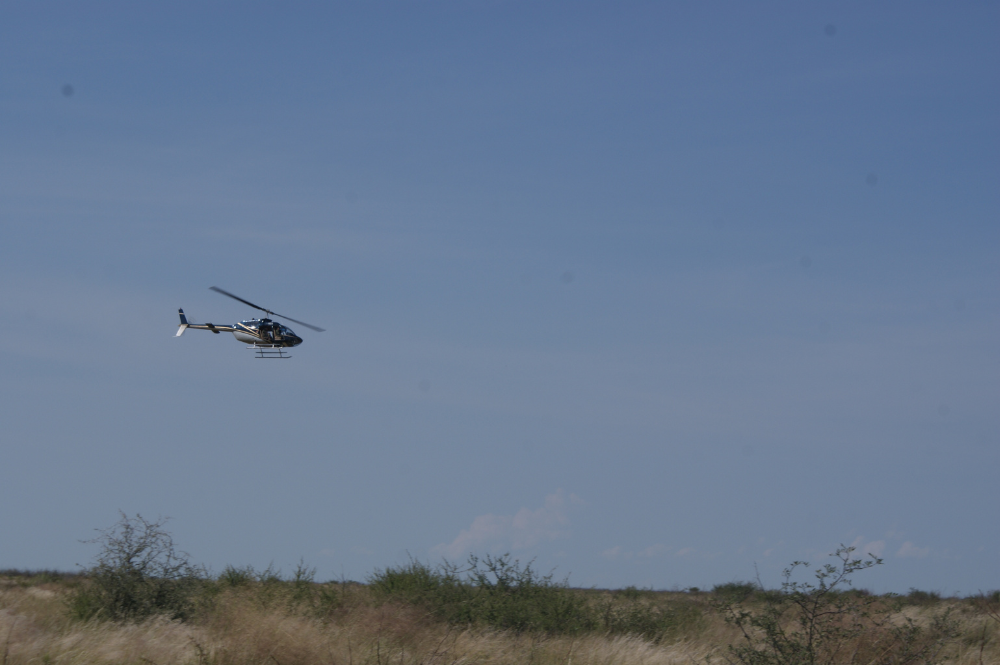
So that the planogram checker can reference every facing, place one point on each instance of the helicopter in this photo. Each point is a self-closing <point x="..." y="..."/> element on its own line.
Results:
<point x="267" y="338"/>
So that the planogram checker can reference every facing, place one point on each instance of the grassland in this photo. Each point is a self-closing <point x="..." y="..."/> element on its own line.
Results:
<point x="417" y="614"/>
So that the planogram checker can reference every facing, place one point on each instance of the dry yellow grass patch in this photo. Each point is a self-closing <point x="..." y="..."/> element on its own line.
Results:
<point x="237" y="628"/>
<point x="240" y="631"/>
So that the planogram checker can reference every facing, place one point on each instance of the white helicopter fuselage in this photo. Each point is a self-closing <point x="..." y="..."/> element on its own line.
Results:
<point x="256" y="332"/>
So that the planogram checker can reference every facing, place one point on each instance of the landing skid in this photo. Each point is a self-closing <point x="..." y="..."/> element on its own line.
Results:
<point x="269" y="351"/>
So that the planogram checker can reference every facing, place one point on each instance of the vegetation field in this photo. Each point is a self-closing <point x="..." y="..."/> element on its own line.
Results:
<point x="266" y="620"/>
<point x="142" y="602"/>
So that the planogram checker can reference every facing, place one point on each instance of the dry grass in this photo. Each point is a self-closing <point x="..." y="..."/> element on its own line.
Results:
<point x="242" y="627"/>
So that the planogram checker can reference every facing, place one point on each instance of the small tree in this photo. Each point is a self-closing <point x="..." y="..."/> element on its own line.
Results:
<point x="138" y="573"/>
<point x="805" y="623"/>
<point x="824" y="623"/>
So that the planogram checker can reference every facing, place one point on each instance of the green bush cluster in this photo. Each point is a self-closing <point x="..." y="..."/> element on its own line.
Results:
<point x="492" y="591"/>
<point x="139" y="573"/>
<point x="918" y="597"/>
<point x="500" y="592"/>
<point x="299" y="593"/>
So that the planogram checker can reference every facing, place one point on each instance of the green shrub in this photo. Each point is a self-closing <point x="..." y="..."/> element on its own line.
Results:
<point x="267" y="587"/>
<point x="735" y="591"/>
<point x="418" y="584"/>
<point x="234" y="577"/>
<point x="508" y="596"/>
<point x="303" y="585"/>
<point x="629" y="593"/>
<point x="138" y="573"/>
<point x="495" y="591"/>
<point x="918" y="597"/>
<point x="656" y="619"/>
<point x="501" y="593"/>
<point x="333" y="597"/>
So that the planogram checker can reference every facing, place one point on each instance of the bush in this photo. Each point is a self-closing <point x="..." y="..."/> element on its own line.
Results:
<point x="416" y="583"/>
<point x="805" y="623"/>
<point x="501" y="593"/>
<point x="234" y="577"/>
<point x="735" y="591"/>
<point x="495" y="591"/>
<point x="918" y="597"/>
<point x="656" y="619"/>
<point x="988" y="604"/>
<point x="138" y="573"/>
<point x="507" y="596"/>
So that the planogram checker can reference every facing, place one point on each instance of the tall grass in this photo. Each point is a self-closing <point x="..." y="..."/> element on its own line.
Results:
<point x="250" y="617"/>
<point x="257" y="622"/>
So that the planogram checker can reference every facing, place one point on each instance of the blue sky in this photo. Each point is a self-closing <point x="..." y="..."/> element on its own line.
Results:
<point x="652" y="294"/>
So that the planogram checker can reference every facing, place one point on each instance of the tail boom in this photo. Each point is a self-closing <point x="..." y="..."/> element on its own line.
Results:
<point x="184" y="325"/>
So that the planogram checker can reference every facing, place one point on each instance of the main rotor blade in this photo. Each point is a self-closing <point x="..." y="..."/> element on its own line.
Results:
<point x="301" y="323"/>
<point x="247" y="302"/>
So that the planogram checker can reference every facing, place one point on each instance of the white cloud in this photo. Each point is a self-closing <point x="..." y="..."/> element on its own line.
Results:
<point x="522" y="530"/>
<point x="654" y="550"/>
<point x="872" y="548"/>
<point x="612" y="553"/>
<point x="893" y="534"/>
<point x="908" y="549"/>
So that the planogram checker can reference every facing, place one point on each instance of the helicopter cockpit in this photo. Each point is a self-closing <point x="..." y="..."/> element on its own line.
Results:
<point x="272" y="332"/>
